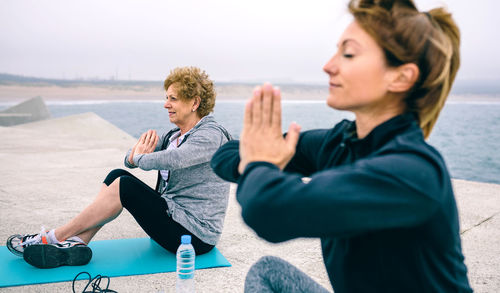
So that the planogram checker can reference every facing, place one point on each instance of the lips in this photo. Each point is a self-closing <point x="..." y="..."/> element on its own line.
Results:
<point x="171" y="113"/>
<point x="334" y="85"/>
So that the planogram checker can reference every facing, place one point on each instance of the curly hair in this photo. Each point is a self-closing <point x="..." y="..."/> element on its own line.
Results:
<point x="431" y="40"/>
<point x="192" y="82"/>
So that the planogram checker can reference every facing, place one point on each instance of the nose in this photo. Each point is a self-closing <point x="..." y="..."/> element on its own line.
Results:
<point x="331" y="67"/>
<point x="167" y="104"/>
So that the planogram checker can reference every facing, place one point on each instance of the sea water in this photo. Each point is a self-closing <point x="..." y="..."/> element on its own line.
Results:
<point x="466" y="134"/>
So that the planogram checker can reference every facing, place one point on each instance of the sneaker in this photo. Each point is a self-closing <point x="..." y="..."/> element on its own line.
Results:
<point x="66" y="253"/>
<point x="18" y="243"/>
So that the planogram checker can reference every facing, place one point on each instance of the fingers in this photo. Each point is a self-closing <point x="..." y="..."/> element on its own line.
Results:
<point x="151" y="134"/>
<point x="267" y="103"/>
<point x="149" y="138"/>
<point x="257" y="107"/>
<point x="260" y="110"/>
<point x="247" y="118"/>
<point x="276" y="109"/>
<point x="292" y="136"/>
<point x="155" y="141"/>
<point x="142" y="138"/>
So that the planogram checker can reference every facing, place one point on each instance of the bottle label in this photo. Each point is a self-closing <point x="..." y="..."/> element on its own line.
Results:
<point x="185" y="264"/>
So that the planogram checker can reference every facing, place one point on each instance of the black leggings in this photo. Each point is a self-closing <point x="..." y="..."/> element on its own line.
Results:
<point x="150" y="211"/>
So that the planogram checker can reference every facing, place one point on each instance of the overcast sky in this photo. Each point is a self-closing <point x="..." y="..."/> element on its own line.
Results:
<point x="232" y="40"/>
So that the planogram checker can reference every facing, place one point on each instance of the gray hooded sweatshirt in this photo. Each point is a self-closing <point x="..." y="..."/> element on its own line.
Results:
<point x="196" y="197"/>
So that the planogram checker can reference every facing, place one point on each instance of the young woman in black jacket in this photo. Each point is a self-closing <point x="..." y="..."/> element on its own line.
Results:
<point x="379" y="197"/>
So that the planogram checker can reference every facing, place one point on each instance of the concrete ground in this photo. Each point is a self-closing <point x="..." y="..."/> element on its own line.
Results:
<point x="50" y="170"/>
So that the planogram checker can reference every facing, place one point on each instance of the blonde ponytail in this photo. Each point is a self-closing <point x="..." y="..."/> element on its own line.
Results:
<point x="446" y="40"/>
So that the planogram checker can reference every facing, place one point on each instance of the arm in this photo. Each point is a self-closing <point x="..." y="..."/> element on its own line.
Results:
<point x="397" y="190"/>
<point x="307" y="152"/>
<point x="126" y="161"/>
<point x="225" y="161"/>
<point x="198" y="148"/>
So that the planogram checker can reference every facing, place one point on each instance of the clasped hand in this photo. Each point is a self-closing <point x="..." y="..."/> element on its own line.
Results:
<point x="145" y="145"/>
<point x="261" y="138"/>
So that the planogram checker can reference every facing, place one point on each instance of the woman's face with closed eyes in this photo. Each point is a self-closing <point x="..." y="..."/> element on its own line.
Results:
<point x="358" y="74"/>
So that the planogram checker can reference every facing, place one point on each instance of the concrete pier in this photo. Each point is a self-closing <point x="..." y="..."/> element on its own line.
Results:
<point x="50" y="170"/>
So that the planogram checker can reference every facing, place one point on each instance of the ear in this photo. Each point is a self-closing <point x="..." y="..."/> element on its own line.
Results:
<point x="196" y="102"/>
<point x="404" y="78"/>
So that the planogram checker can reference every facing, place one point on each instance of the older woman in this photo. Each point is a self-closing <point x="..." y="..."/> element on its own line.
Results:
<point x="380" y="198"/>
<point x="189" y="198"/>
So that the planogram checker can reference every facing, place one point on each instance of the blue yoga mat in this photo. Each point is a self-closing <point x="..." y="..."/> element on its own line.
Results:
<point x="112" y="258"/>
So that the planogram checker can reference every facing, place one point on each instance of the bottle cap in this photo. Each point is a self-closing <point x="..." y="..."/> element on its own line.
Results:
<point x="186" y="239"/>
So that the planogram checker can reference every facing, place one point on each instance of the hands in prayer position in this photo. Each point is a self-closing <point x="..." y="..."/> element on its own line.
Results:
<point x="261" y="138"/>
<point x="145" y="145"/>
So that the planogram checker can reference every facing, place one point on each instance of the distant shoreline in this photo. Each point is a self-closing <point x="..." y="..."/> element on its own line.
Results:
<point x="13" y="93"/>
<point x="19" y="92"/>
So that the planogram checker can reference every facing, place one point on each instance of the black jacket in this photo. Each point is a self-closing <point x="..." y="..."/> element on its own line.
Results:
<point x="383" y="206"/>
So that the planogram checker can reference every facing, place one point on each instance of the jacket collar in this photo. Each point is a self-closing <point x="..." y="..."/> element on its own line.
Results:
<point x="204" y="120"/>
<point x="379" y="135"/>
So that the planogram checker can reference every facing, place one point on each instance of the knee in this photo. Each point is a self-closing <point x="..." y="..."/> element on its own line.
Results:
<point x="116" y="173"/>
<point x="126" y="187"/>
<point x="258" y="278"/>
<point x="264" y="264"/>
<point x="267" y="261"/>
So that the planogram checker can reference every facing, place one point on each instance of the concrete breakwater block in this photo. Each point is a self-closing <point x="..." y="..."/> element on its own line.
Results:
<point x="28" y="111"/>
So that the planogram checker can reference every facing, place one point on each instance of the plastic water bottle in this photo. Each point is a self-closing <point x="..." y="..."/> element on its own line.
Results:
<point x="185" y="266"/>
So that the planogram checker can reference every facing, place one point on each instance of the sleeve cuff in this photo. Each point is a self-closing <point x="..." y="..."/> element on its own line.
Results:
<point x="254" y="165"/>
<point x="136" y="159"/>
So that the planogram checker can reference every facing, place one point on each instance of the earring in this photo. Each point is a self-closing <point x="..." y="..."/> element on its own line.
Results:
<point x="193" y="110"/>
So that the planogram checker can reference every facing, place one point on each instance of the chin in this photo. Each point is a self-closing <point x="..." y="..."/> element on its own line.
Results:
<point x="332" y="102"/>
<point x="337" y="103"/>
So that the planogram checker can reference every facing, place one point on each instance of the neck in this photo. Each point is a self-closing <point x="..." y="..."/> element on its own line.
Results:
<point x="189" y="124"/>
<point x="366" y="121"/>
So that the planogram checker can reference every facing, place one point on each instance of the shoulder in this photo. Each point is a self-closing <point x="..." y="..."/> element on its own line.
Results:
<point x="412" y="141"/>
<point x="411" y="155"/>
<point x="210" y="129"/>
